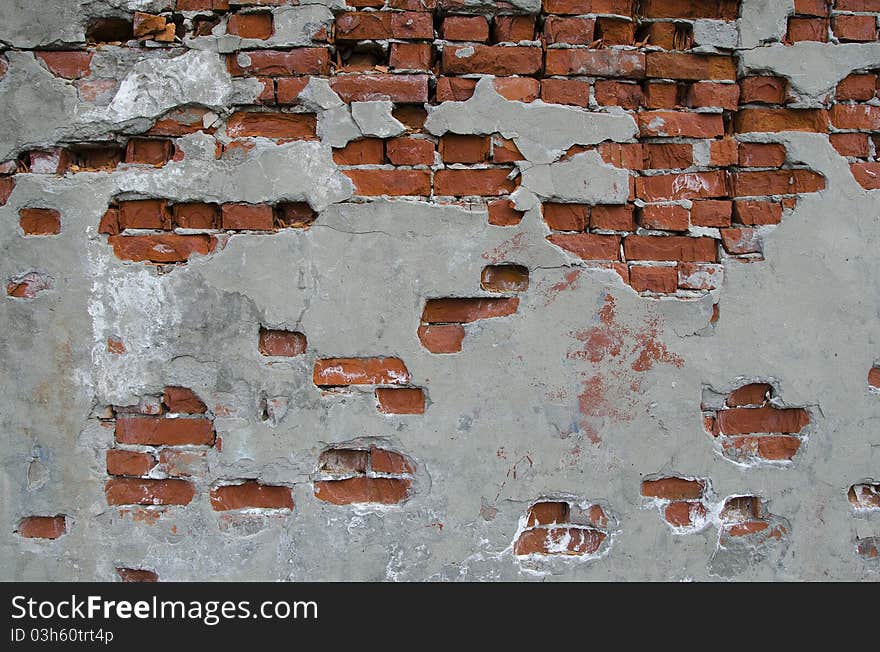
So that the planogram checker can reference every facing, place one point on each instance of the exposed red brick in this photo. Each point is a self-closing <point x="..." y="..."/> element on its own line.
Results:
<point x="504" y="278"/>
<point x="386" y="461"/>
<point x="157" y="431"/>
<point x="513" y="29"/>
<point x="588" y="246"/>
<point x="39" y="221"/>
<point x="463" y="311"/>
<point x="42" y="527"/>
<point x="517" y="89"/>
<point x="573" y="92"/>
<point x="344" y="461"/>
<point x="673" y="488"/>
<point x="688" y="125"/>
<point x="281" y="343"/>
<point x="271" y="125"/>
<point x="196" y="215"/>
<point x="614" y="93"/>
<point x="866" y="174"/>
<point x="854" y="28"/>
<point x="256" y="25"/>
<point x="718" y="9"/>
<point x="684" y="513"/>
<point x="251" y="495"/>
<point x="411" y="56"/>
<point x="456" y="148"/>
<point x="574" y="31"/>
<point x="442" y="338"/>
<point x="668" y="217"/>
<point x="146" y="491"/>
<point x="256" y="217"/>
<point x="492" y="60"/>
<point x="807" y="29"/>
<point x="774" y="447"/>
<point x="278" y="63"/>
<point x="662" y="280"/>
<point x="366" y="151"/>
<point x="670" y="248"/>
<point x="763" y="90"/>
<point x="751" y="394"/>
<point x="122" y="462"/>
<point x="385" y="491"/>
<point x="864" y="117"/>
<point x="691" y="67"/>
<point x="548" y="513"/>
<point x="598" y="63"/>
<point x="402" y="400"/>
<point x="464" y="183"/>
<point x="390" y="182"/>
<point x="502" y="212"/>
<point x="330" y="372"/>
<point x="756" y="212"/>
<point x="769" y="419"/>
<point x="136" y="575"/>
<point x="69" y="64"/>
<point x="689" y="185"/>
<point x="546" y="541"/>
<point x="776" y="182"/>
<point x="711" y="212"/>
<point x="465" y="28"/>
<point x="183" y="400"/>
<point x="166" y="248"/>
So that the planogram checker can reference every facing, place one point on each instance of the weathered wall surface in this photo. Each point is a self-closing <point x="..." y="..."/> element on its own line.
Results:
<point x="452" y="290"/>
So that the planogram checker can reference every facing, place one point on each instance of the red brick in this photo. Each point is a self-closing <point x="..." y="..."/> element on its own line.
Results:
<point x="547" y="541"/>
<point x="776" y="182"/>
<point x="613" y="217"/>
<point x="6" y="187"/>
<point x="390" y="462"/>
<point x="335" y="372"/>
<point x="688" y="185"/>
<point x="574" y="31"/>
<point x="517" y="89"/>
<point x="465" y="28"/>
<point x="28" y="285"/>
<point x="240" y="217"/>
<point x="622" y="7"/>
<point x="196" y="216"/>
<point x="281" y="343"/>
<point x="287" y="89"/>
<point x="687" y="125"/>
<point x="251" y="495"/>
<point x="673" y="489"/>
<point x="667" y="156"/>
<point x="573" y="92"/>
<point x="455" y="89"/>
<point x="412" y="25"/>
<point x="598" y="63"/>
<point x="410" y="151"/>
<point x="684" y="513"/>
<point x="344" y="461"/>
<point x="465" y="183"/>
<point x="149" y="151"/>
<point x="691" y="67"/>
<point x="145" y="491"/>
<point x="623" y="155"/>
<point x="615" y="31"/>
<point x="662" y="280"/>
<point x="256" y="25"/>
<point x="566" y="217"/>
<point x="807" y="29"/>
<point x="718" y="9"/>
<point x="396" y="88"/>
<point x="866" y="174"/>
<point x="182" y="400"/>
<point x="857" y="5"/>
<point x="121" y="462"/>
<point x="366" y="151"/>
<point x="404" y="400"/>
<point x="862" y="117"/>
<point x="699" y="276"/>
<point x="39" y="221"/>
<point x="442" y="338"/>
<point x="666" y="217"/>
<point x="363" y="25"/>
<point x="751" y="394"/>
<point x="763" y="90"/>
<point x="136" y="575"/>
<point x="464" y="311"/>
<point x="854" y="28"/>
<point x="865" y="495"/>
<point x="157" y="431"/>
<point x="391" y="182"/>
<point x="776" y="448"/>
<point x="711" y="212"/>
<point x="179" y="121"/>
<point x="588" y="246"/>
<point x="746" y="421"/>
<point x="753" y="212"/>
<point x="411" y="56"/>
<point x="670" y="248"/>
<point x="512" y="29"/>
<point x="614" y="93"/>
<point x="502" y="212"/>
<point x="705" y="94"/>
<point x="385" y="491"/>
<point x="42" y="527"/>
<point x="661" y="95"/>
<point x="548" y="513"/>
<point x="858" y="87"/>
<point x="411" y="115"/>
<point x="279" y="63"/>
<point x="504" y="278"/>
<point x="811" y="7"/>
<point x="68" y="65"/>
<point x="144" y="214"/>
<point x="761" y="155"/>
<point x="505" y="151"/>
<point x="741" y="241"/>
<point x="492" y="60"/>
<point x="455" y="148"/>
<point x="271" y="125"/>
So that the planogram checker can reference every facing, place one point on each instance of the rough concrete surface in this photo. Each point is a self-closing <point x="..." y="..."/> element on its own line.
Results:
<point x="531" y="409"/>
